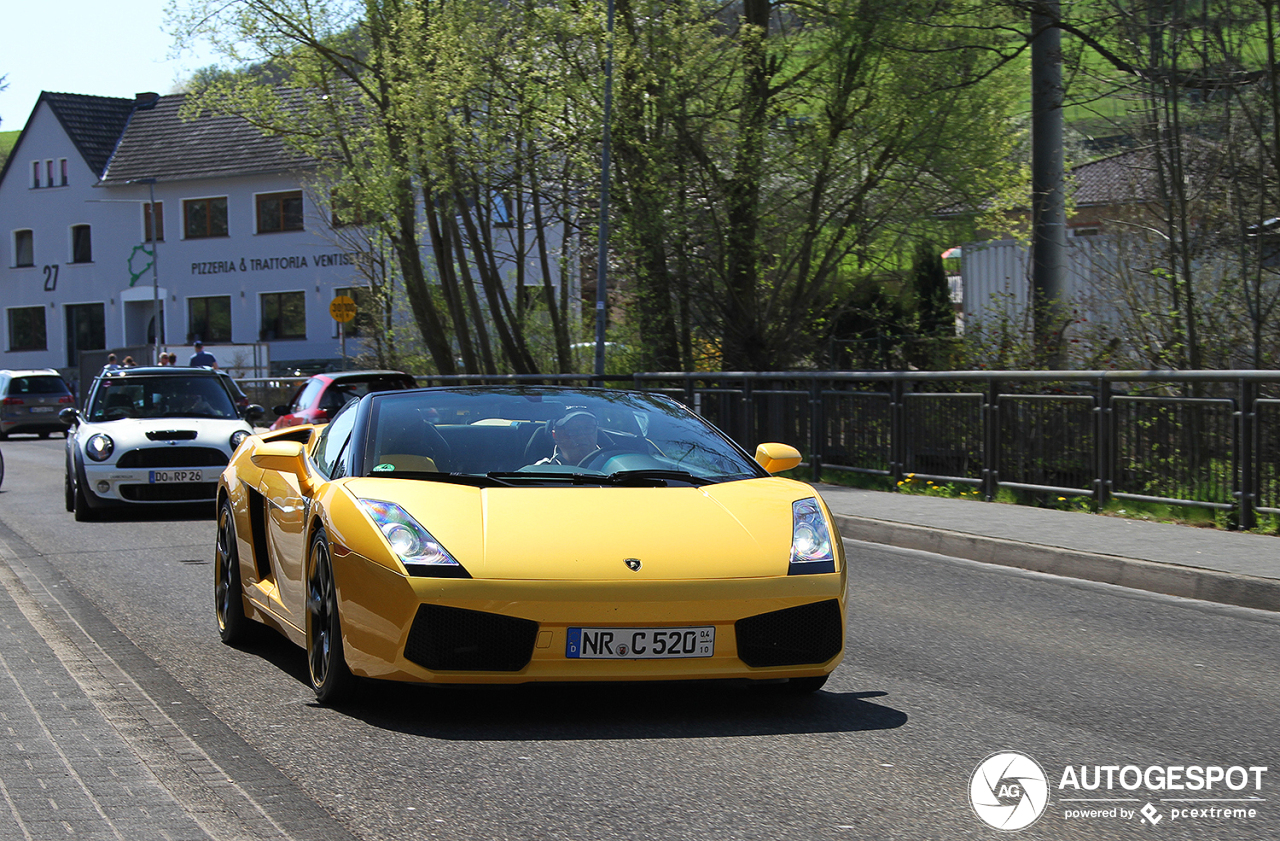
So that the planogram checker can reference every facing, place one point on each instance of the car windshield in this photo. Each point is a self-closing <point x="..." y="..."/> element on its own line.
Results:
<point x="160" y="397"/>
<point x="529" y="435"/>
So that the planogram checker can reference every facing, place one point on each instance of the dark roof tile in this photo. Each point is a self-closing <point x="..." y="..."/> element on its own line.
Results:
<point x="160" y="144"/>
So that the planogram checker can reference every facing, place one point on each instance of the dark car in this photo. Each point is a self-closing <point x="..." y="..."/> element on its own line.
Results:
<point x="320" y="397"/>
<point x="30" y="401"/>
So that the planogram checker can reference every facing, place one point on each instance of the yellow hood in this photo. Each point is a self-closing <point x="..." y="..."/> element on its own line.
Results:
<point x="730" y="530"/>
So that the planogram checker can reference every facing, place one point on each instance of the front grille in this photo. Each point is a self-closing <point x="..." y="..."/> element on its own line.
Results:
<point x="453" y="639"/>
<point x="173" y="457"/>
<point x="810" y="633"/>
<point x="170" y="492"/>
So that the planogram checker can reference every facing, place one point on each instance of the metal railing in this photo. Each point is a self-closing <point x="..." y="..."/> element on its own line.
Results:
<point x="1206" y="439"/>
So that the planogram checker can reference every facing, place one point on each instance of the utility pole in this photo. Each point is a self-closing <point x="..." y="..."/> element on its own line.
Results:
<point x="1048" y="202"/>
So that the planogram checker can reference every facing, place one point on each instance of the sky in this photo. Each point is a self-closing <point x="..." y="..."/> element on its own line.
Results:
<point x="113" y="48"/>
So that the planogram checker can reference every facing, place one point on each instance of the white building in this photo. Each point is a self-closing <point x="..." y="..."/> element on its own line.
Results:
<point x="245" y="257"/>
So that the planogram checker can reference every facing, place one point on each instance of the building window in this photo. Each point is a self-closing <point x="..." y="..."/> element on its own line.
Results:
<point x="280" y="212"/>
<point x="86" y="330"/>
<point x="26" y="329"/>
<point x="149" y="212"/>
<point x="48" y="169"/>
<point x="35" y="174"/>
<point x="203" y="218"/>
<point x="62" y="164"/>
<point x="284" y="316"/>
<point x="344" y="211"/>
<point x="81" y="244"/>
<point x="209" y="319"/>
<point x="24" y="249"/>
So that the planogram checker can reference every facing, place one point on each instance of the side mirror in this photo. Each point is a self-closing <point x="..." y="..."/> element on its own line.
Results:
<point x="70" y="416"/>
<point x="776" y="458"/>
<point x="284" y="457"/>
<point x="253" y="413"/>
<point x="281" y="411"/>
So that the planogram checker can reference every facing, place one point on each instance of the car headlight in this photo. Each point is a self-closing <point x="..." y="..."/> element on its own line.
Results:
<point x="237" y="438"/>
<point x="811" y="547"/>
<point x="99" y="447"/>
<point x="420" y="553"/>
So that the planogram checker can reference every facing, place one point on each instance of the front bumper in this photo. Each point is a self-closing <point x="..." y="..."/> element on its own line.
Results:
<point x="478" y="631"/>
<point x="113" y="485"/>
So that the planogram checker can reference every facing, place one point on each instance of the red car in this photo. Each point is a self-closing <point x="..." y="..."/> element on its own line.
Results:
<point x="320" y="397"/>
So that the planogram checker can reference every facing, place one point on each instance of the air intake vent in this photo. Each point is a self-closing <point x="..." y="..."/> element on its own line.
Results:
<point x="810" y="633"/>
<point x="172" y="434"/>
<point x="453" y="639"/>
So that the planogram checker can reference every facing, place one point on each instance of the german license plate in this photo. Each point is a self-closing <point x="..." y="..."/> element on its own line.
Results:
<point x="40" y="410"/>
<point x="162" y="476"/>
<point x="640" y="643"/>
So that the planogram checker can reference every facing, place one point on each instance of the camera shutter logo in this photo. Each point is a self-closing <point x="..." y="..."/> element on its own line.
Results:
<point x="1009" y="791"/>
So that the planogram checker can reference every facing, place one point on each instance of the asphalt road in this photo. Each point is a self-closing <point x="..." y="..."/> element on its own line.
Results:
<point x="948" y="662"/>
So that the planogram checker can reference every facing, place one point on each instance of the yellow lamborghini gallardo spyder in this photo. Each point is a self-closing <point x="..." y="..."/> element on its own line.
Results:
<point x="513" y="534"/>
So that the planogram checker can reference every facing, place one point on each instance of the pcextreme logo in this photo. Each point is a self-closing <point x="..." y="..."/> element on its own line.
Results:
<point x="1010" y="791"/>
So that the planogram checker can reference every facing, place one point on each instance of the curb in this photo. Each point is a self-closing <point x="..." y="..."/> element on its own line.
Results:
<point x="1152" y="576"/>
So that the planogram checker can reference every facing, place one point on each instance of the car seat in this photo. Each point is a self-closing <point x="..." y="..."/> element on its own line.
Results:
<point x="410" y="443"/>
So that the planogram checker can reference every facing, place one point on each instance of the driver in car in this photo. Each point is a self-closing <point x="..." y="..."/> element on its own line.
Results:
<point x="574" y="434"/>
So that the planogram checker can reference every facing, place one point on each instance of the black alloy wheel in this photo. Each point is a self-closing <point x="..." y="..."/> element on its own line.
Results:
<point x="326" y="659"/>
<point x="228" y="595"/>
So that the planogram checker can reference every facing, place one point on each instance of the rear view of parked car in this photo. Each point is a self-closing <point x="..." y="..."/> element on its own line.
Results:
<point x="30" y="401"/>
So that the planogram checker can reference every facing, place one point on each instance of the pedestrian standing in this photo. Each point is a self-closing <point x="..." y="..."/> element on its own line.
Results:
<point x="202" y="358"/>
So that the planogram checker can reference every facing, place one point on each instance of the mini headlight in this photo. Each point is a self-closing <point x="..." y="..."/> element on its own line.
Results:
<point x="413" y="544"/>
<point x="237" y="438"/>
<point x="811" y="548"/>
<point x="99" y="447"/>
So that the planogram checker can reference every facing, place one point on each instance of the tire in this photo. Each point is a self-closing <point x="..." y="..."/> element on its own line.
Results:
<point x="80" y="505"/>
<point x="68" y="494"/>
<point x="327" y="668"/>
<point x="228" y="594"/>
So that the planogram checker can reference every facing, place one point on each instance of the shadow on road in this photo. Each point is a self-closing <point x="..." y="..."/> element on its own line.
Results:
<point x="676" y="710"/>
<point x="642" y="710"/>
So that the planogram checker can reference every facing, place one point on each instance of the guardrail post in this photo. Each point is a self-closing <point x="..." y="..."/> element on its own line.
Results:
<point x="817" y="426"/>
<point x="991" y="441"/>
<point x="1246" y="467"/>
<point x="1105" y="452"/>
<point x="897" y="430"/>
<point x="748" y="425"/>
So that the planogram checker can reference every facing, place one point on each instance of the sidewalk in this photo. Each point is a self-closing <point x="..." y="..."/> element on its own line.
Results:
<point x="1198" y="563"/>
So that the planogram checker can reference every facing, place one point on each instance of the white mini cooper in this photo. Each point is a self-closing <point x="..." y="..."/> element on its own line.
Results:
<point x="152" y="435"/>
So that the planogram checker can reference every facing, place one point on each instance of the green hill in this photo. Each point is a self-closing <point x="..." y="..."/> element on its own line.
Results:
<point x="7" y="139"/>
